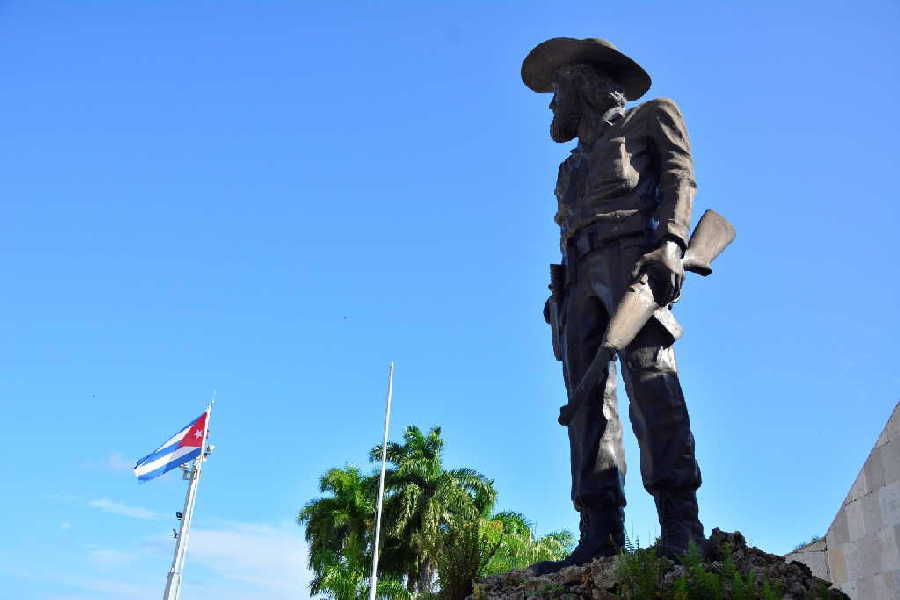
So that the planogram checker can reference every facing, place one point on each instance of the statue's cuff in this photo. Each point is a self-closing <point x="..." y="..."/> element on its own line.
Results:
<point x="668" y="236"/>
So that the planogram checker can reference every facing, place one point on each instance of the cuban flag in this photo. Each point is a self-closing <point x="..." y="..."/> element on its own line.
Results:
<point x="182" y="447"/>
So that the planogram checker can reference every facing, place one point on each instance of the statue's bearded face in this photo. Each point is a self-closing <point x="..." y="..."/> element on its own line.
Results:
<point x="566" y="107"/>
<point x="576" y="89"/>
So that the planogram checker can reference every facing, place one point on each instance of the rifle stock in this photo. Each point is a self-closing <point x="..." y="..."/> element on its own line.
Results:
<point x="711" y="236"/>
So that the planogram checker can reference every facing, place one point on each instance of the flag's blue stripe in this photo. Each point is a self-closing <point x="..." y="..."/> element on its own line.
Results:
<point x="180" y="431"/>
<point x="171" y="465"/>
<point x="163" y="450"/>
<point x="158" y="454"/>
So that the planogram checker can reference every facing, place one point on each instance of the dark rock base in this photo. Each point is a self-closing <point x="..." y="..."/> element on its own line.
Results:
<point x="759" y="575"/>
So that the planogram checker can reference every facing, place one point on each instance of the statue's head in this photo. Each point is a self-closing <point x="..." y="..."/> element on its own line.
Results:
<point x="583" y="75"/>
<point x="578" y="89"/>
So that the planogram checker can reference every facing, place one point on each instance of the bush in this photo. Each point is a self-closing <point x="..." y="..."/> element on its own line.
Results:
<point x="640" y="573"/>
<point x="812" y="540"/>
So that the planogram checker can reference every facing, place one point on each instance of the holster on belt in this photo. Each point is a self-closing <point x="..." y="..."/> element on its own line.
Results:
<point x="553" y="306"/>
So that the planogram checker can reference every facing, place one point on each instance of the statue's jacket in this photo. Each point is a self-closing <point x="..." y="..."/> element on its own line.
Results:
<point x="637" y="179"/>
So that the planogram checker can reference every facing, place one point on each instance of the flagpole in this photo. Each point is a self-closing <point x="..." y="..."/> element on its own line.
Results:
<point x="173" y="583"/>
<point x="373" y="581"/>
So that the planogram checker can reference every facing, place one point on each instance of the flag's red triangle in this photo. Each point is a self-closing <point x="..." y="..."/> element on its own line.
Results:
<point x="194" y="436"/>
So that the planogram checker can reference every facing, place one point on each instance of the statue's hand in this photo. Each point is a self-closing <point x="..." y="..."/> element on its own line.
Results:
<point x="664" y="270"/>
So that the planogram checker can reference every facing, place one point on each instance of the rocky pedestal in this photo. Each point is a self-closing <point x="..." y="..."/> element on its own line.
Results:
<point x="609" y="579"/>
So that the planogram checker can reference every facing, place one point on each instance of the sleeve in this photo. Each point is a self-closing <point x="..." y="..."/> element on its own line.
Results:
<point x="676" y="171"/>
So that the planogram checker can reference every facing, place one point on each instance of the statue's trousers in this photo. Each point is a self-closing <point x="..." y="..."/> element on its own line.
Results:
<point x="659" y="417"/>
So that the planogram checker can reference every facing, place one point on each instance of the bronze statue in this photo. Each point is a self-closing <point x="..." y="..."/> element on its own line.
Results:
<point x="624" y="208"/>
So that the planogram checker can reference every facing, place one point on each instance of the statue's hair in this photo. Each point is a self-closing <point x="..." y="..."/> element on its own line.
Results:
<point x="595" y="87"/>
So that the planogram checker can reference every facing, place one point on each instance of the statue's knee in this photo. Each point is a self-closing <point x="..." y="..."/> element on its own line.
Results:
<point x="650" y="360"/>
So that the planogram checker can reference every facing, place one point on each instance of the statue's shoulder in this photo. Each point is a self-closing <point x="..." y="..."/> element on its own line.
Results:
<point x="656" y="107"/>
<point x="658" y="118"/>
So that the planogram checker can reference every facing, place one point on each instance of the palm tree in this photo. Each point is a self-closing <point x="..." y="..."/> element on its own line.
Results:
<point x="340" y="525"/>
<point x="509" y="543"/>
<point x="506" y="541"/>
<point x="339" y="578"/>
<point x="425" y="502"/>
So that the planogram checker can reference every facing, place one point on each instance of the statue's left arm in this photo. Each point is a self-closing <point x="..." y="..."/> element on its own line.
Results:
<point x="668" y="136"/>
<point x="668" y="141"/>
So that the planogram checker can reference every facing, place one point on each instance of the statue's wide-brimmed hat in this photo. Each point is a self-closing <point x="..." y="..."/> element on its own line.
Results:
<point x="542" y="62"/>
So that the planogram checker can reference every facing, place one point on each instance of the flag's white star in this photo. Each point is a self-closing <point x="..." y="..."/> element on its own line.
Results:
<point x="197" y="434"/>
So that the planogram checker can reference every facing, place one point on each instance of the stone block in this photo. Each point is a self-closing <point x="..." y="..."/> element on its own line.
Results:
<point x="880" y="588"/>
<point x="868" y="553"/>
<point x="849" y="588"/>
<point x="890" y="553"/>
<point x="858" y="489"/>
<point x="855" y="523"/>
<point x="863" y="549"/>
<point x="891" y="582"/>
<point x="838" y="532"/>
<point x="891" y="431"/>
<point x="871" y="511"/>
<point x="874" y="470"/>
<point x="865" y="588"/>
<point x="883" y="438"/>
<point x="896" y="532"/>
<point x="853" y="560"/>
<point x="837" y="564"/>
<point x="816" y="561"/>
<point x="890" y="460"/>
<point x="889" y="504"/>
<point x="816" y="547"/>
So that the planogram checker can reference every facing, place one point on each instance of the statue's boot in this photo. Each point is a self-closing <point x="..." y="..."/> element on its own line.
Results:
<point x="679" y="524"/>
<point x="602" y="534"/>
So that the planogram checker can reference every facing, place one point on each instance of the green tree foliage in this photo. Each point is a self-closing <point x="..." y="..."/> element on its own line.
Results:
<point x="509" y="543"/>
<point x="437" y="524"/>
<point x="424" y="503"/>
<point x="461" y="561"/>
<point x="340" y="578"/>
<point x="342" y="522"/>
<point x="503" y="542"/>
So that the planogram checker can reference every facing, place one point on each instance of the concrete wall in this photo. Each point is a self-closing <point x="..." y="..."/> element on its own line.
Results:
<point x="814" y="556"/>
<point x="862" y="547"/>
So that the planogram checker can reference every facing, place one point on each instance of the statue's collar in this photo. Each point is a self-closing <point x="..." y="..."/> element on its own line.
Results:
<point x="613" y="115"/>
<point x="607" y="121"/>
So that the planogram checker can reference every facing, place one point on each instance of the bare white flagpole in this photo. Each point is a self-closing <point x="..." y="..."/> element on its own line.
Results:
<point x="373" y="581"/>
<point x="173" y="583"/>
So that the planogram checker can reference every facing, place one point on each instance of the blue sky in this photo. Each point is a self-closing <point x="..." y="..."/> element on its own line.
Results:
<point x="275" y="199"/>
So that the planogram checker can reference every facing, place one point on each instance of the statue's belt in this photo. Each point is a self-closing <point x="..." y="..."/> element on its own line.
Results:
<point x="604" y="231"/>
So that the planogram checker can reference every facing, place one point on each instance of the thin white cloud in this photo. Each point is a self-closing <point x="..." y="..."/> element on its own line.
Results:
<point x="103" y="588"/>
<point x="109" y="557"/>
<point x="83" y="585"/>
<point x="262" y="560"/>
<point x="117" y="462"/>
<point x="226" y="561"/>
<point x="117" y="508"/>
<point x="65" y="525"/>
